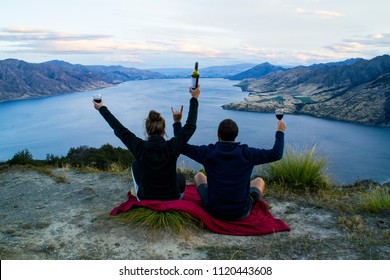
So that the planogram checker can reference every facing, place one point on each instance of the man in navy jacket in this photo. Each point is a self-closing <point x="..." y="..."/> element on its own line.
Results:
<point x="227" y="192"/>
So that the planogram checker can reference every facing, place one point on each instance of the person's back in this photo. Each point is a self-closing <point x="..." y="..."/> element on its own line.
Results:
<point x="227" y="192"/>
<point x="154" y="169"/>
<point x="157" y="160"/>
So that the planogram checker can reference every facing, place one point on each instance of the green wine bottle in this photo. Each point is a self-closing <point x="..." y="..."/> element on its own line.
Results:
<point x="195" y="77"/>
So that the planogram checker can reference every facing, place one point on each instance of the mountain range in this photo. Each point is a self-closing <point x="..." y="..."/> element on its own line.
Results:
<point x="226" y="71"/>
<point x="20" y="79"/>
<point x="355" y="90"/>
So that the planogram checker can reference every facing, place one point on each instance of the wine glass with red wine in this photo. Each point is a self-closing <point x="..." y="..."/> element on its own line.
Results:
<point x="97" y="97"/>
<point x="279" y="114"/>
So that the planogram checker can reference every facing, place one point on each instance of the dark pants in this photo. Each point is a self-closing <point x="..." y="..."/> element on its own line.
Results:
<point x="254" y="196"/>
<point x="181" y="181"/>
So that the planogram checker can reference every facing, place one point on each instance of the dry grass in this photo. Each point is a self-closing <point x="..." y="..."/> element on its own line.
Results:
<point x="172" y="221"/>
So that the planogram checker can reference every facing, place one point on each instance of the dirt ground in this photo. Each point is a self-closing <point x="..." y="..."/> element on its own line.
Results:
<point x="42" y="218"/>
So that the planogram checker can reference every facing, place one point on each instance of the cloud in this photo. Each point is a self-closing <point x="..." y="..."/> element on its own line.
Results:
<point x="23" y="29"/>
<point x="321" y="13"/>
<point x="23" y="41"/>
<point x="195" y="28"/>
<point x="124" y="59"/>
<point x="378" y="39"/>
<point x="349" y="47"/>
<point x="367" y="44"/>
<point x="101" y="46"/>
<point x="23" y="33"/>
<point x="292" y="57"/>
<point x="188" y="47"/>
<point x="35" y="40"/>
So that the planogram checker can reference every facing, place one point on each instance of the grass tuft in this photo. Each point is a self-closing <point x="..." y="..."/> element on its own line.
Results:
<point x="376" y="200"/>
<point x="174" y="221"/>
<point x="300" y="171"/>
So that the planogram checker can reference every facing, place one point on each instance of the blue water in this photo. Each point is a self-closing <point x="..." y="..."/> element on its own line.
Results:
<point x="55" y="124"/>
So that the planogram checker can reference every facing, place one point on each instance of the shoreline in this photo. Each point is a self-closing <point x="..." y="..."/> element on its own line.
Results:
<point x="303" y="114"/>
<point x="54" y="94"/>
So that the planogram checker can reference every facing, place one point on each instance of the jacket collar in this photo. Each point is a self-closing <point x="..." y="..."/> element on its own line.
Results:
<point x="228" y="142"/>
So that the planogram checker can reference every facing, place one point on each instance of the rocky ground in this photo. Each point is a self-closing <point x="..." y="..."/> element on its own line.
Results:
<point x="65" y="215"/>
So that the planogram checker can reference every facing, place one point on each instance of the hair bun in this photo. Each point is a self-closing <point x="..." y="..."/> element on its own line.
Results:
<point x="155" y="123"/>
<point x="154" y="116"/>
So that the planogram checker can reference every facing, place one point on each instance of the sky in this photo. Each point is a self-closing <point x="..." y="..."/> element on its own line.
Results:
<point x="149" y="34"/>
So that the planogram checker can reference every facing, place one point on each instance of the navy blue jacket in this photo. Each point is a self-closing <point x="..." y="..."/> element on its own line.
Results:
<point x="229" y="166"/>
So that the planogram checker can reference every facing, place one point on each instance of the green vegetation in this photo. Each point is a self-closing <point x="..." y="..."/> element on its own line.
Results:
<point x="105" y="158"/>
<point x="172" y="221"/>
<point x="304" y="99"/>
<point x="23" y="157"/>
<point x="299" y="171"/>
<point x="276" y="98"/>
<point x="376" y="200"/>
<point x="85" y="159"/>
<point x="302" y="176"/>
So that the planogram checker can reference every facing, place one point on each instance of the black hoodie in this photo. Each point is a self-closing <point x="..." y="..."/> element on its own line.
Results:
<point x="156" y="156"/>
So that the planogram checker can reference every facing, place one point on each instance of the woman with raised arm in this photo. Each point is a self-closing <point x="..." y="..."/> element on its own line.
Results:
<point x="154" y="169"/>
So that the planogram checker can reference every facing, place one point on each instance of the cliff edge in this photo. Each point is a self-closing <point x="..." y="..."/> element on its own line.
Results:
<point x="45" y="218"/>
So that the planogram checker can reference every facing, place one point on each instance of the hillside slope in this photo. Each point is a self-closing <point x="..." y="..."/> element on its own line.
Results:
<point x="19" y="79"/>
<point x="257" y="72"/>
<point x="355" y="90"/>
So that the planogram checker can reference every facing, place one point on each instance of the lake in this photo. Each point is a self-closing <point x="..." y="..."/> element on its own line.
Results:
<point x="53" y="125"/>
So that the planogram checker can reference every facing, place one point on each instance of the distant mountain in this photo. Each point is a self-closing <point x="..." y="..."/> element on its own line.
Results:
<point x="20" y="79"/>
<point x="257" y="71"/>
<point x="225" y="71"/>
<point x="173" y="73"/>
<point x="339" y="63"/>
<point x="126" y="74"/>
<point x="207" y="72"/>
<point x="356" y="90"/>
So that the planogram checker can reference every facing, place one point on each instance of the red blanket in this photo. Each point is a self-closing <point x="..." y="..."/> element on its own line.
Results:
<point x="259" y="222"/>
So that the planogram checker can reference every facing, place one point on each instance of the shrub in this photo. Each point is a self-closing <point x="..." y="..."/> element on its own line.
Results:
<point x="55" y="161"/>
<point x="23" y="157"/>
<point x="174" y="221"/>
<point x="105" y="158"/>
<point x="376" y="200"/>
<point x="300" y="171"/>
<point x="79" y="157"/>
